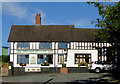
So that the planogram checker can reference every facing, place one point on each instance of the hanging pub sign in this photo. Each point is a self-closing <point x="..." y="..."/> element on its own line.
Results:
<point x="34" y="51"/>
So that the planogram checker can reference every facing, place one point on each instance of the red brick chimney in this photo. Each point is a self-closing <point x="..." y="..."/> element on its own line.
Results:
<point x="38" y="19"/>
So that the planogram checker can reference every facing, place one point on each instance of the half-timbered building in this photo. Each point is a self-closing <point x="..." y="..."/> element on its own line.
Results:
<point x="56" y="45"/>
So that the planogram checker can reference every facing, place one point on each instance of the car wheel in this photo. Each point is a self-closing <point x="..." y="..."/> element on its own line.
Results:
<point x="97" y="70"/>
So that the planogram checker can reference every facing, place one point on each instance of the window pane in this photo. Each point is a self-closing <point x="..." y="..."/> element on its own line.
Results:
<point x="27" y="60"/>
<point x="45" y="58"/>
<point x="19" y="45"/>
<point x="26" y="56"/>
<point x="60" y="45"/>
<point x="19" y="60"/>
<point x="81" y="59"/>
<point x="40" y="59"/>
<point x="23" y="56"/>
<point x="45" y="45"/>
<point x="49" y="45"/>
<point x="60" y="59"/>
<point x="23" y="45"/>
<point x="23" y="60"/>
<point x="84" y="60"/>
<point x="81" y="55"/>
<point x="65" y="58"/>
<point x="19" y="56"/>
<point x="64" y="45"/>
<point x="77" y="60"/>
<point x="27" y="45"/>
<point x="50" y="59"/>
<point x="41" y="45"/>
<point x="89" y="60"/>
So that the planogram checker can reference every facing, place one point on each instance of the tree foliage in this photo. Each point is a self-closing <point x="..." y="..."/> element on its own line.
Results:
<point x="6" y="58"/>
<point x="109" y="22"/>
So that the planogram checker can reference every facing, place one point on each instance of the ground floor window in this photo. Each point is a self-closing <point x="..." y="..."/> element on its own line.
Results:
<point x="23" y="59"/>
<point x="60" y="58"/>
<point x="82" y="58"/>
<point x="44" y="58"/>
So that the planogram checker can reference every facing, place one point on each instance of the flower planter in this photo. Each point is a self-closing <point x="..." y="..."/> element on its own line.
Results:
<point x="64" y="70"/>
<point x="82" y="64"/>
<point x="45" y="64"/>
<point x="22" y="64"/>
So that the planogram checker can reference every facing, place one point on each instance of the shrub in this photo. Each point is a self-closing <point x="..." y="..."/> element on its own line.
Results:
<point x="82" y="64"/>
<point x="6" y="58"/>
<point x="22" y="64"/>
<point x="63" y="65"/>
<point x="45" y="64"/>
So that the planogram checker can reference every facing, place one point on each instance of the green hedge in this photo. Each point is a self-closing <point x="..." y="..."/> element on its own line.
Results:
<point x="6" y="58"/>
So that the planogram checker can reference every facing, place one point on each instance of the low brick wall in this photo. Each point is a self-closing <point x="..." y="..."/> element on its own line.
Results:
<point x="70" y="70"/>
<point x="50" y="70"/>
<point x="17" y="71"/>
<point x="77" y="70"/>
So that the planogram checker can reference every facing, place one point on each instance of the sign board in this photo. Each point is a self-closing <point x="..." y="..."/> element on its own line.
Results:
<point x="33" y="60"/>
<point x="9" y="67"/>
<point x="32" y="69"/>
<point x="4" y="51"/>
<point x="34" y="51"/>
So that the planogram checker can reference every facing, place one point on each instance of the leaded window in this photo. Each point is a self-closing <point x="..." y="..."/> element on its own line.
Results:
<point x="23" y="59"/>
<point x="82" y="58"/>
<point x="23" y="45"/>
<point x="45" y="45"/>
<point x="64" y="45"/>
<point x="60" y="58"/>
<point x="45" y="58"/>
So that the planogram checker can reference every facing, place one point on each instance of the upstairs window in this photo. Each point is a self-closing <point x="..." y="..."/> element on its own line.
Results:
<point x="45" y="45"/>
<point x="63" y="45"/>
<point x="23" y="45"/>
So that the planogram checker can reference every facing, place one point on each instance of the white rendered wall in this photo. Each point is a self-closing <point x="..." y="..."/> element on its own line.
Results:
<point x="11" y="57"/>
<point x="71" y="56"/>
<point x="33" y="45"/>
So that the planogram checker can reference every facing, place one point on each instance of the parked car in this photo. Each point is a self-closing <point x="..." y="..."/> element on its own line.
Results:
<point x="99" y="66"/>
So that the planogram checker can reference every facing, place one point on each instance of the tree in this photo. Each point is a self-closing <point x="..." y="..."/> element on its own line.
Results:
<point x="109" y="22"/>
<point x="6" y="58"/>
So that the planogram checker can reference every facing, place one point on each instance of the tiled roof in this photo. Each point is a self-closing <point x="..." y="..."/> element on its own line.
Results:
<point x="34" y="33"/>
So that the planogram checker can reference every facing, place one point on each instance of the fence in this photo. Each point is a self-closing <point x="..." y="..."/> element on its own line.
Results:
<point x="4" y="69"/>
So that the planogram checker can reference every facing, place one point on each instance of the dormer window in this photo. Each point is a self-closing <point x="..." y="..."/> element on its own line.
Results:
<point x="24" y="45"/>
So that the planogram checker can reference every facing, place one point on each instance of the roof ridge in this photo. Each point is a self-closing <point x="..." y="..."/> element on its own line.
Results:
<point x="42" y="25"/>
<point x="85" y="28"/>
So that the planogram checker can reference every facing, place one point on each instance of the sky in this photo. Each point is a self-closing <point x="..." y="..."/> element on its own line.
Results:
<point x="79" y="14"/>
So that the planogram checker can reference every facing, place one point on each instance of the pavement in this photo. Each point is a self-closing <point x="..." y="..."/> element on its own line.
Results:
<point x="47" y="78"/>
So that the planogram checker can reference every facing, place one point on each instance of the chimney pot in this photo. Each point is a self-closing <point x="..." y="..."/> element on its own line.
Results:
<point x="38" y="19"/>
